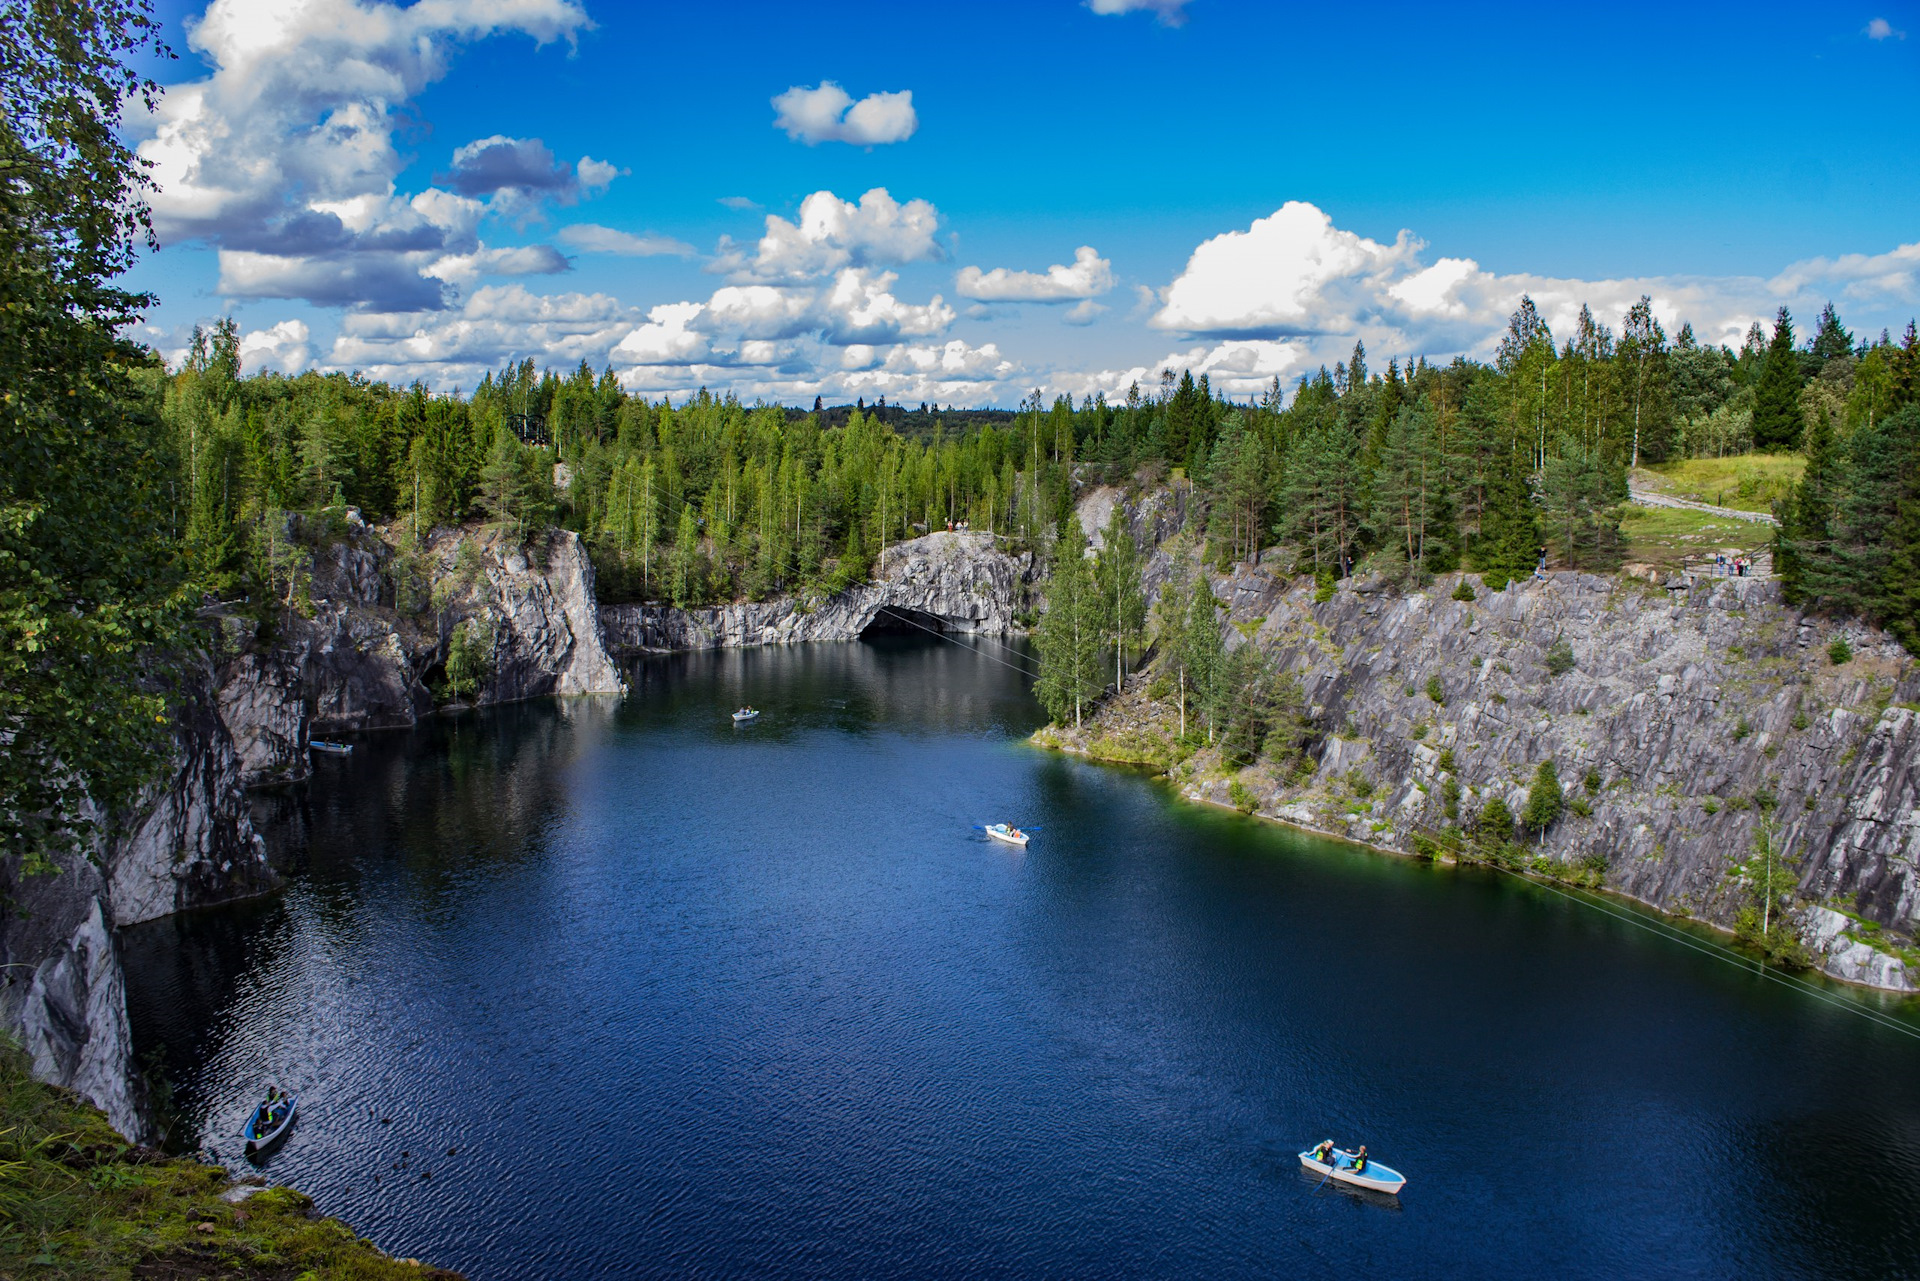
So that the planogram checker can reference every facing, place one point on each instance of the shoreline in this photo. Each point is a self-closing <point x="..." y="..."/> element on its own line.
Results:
<point x="1670" y="919"/>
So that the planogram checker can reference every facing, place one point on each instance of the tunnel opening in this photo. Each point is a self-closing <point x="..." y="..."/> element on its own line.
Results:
<point x="893" y="620"/>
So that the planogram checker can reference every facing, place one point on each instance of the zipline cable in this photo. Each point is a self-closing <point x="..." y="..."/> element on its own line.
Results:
<point x="900" y="613"/>
<point x="1720" y="954"/>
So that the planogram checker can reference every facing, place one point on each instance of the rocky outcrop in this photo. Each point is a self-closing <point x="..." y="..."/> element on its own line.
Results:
<point x="64" y="995"/>
<point x="186" y="842"/>
<point x="189" y="842"/>
<point x="355" y="661"/>
<point x="360" y="661"/>
<point x="1692" y="714"/>
<point x="952" y="582"/>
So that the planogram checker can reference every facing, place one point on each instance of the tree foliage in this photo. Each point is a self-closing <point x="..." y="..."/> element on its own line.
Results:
<point x="91" y="598"/>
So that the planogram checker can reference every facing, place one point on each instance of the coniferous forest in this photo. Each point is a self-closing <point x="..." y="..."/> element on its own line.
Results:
<point x="1417" y="468"/>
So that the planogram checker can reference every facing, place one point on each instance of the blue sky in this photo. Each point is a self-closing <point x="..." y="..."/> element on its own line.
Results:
<point x="429" y="190"/>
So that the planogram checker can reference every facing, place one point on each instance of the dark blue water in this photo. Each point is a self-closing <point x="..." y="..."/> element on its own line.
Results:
<point x="637" y="993"/>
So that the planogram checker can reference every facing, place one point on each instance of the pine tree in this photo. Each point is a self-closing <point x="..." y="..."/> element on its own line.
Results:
<point x="1777" y="419"/>
<point x="1069" y="635"/>
<point x="1202" y="650"/>
<point x="1643" y="354"/>
<point x="1830" y="338"/>
<point x="1578" y="496"/>
<point x="1123" y="605"/>
<point x="1544" y="798"/>
<point x="1803" y="545"/>
<point x="685" y="567"/>
<point x="1509" y="540"/>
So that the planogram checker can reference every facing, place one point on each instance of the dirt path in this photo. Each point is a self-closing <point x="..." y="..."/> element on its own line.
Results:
<point x="1647" y="498"/>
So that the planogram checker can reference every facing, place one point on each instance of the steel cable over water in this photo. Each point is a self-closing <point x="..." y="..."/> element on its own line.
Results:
<point x="1742" y="963"/>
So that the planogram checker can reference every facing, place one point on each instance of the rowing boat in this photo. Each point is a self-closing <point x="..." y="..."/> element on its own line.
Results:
<point x="1001" y="832"/>
<point x="337" y="749"/>
<point x="1377" y="1177"/>
<point x="262" y="1132"/>
<point x="744" y="715"/>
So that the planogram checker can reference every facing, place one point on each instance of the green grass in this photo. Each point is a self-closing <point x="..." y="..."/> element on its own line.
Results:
<point x="1669" y="537"/>
<point x="77" y="1200"/>
<point x="1746" y="482"/>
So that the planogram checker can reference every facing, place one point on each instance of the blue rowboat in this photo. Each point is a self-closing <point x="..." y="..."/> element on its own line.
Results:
<point x="263" y="1131"/>
<point x="1376" y="1177"/>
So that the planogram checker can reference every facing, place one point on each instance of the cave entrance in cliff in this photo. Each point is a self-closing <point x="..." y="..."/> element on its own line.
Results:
<point x="893" y="620"/>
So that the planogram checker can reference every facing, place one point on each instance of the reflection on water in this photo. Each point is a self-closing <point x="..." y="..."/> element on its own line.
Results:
<point x="613" y="988"/>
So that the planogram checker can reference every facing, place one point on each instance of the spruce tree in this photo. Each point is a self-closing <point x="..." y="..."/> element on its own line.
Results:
<point x="1069" y="635"/>
<point x="1508" y="544"/>
<point x="1803" y="544"/>
<point x="1778" y="422"/>
<point x="1830" y="338"/>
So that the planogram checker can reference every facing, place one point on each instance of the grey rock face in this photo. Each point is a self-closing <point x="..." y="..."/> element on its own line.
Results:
<point x="63" y="994"/>
<point x="1697" y="714"/>
<point x="189" y="842"/>
<point x="361" y="663"/>
<point x="959" y="582"/>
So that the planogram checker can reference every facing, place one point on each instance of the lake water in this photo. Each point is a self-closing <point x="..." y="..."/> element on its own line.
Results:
<point x="637" y="993"/>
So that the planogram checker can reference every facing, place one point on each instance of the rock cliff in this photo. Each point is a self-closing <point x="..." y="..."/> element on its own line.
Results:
<point x="187" y="842"/>
<point x="379" y="632"/>
<point x="1691" y="714"/>
<point x="956" y="582"/>
<point x="357" y="660"/>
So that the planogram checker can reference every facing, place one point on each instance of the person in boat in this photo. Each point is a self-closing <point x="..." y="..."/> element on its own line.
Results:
<point x="1360" y="1160"/>
<point x="1323" y="1152"/>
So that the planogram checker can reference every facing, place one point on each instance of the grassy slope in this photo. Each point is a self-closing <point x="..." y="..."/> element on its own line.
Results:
<point x="76" y="1200"/>
<point x="1747" y="482"/>
<point x="1670" y="537"/>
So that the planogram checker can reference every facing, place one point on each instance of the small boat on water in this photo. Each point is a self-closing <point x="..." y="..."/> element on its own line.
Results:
<point x="1376" y="1177"/>
<point x="1005" y="832"/>
<point x="744" y="715"/>
<point x="269" y="1124"/>
<point x="336" y="749"/>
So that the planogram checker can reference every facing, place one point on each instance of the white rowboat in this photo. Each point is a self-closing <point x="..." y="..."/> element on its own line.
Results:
<point x="1001" y="832"/>
<point x="744" y="715"/>
<point x="336" y="749"/>
<point x="1376" y="1177"/>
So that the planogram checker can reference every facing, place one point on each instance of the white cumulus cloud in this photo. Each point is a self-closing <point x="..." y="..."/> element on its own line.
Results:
<point x="1089" y="276"/>
<point x="828" y="113"/>
<point x="1170" y="12"/>
<point x="281" y="347"/>
<point x="283" y="157"/>
<point x="1881" y="29"/>
<point x="592" y="238"/>
<point x="832" y="233"/>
